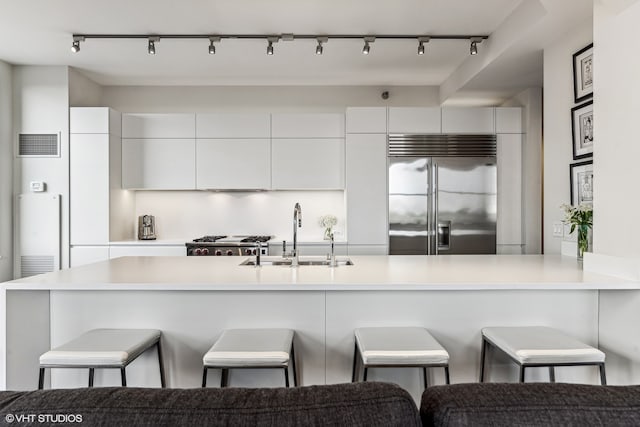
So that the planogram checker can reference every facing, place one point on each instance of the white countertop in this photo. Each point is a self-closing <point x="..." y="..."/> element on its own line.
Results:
<point x="464" y="272"/>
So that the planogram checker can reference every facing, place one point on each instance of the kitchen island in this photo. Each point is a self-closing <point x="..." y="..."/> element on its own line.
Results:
<point x="192" y="299"/>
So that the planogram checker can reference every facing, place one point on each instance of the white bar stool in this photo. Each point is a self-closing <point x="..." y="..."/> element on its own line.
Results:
<point x="251" y="348"/>
<point x="103" y="348"/>
<point x="398" y="347"/>
<point x="540" y="346"/>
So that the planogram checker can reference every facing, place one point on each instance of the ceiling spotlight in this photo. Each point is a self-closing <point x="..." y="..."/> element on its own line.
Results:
<point x="473" y="49"/>
<point x="367" y="47"/>
<point x="75" y="46"/>
<point x="212" y="47"/>
<point x="271" y="41"/>
<point x="421" y="42"/>
<point x="152" y="45"/>
<point x="319" y="48"/>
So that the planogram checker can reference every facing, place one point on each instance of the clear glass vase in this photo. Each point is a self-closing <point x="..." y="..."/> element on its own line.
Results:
<point x="584" y="240"/>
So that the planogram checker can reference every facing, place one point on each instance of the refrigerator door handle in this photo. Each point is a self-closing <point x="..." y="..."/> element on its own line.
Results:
<point x="434" y="217"/>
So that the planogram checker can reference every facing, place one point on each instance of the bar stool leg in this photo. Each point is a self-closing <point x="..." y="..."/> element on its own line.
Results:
<point x="293" y="366"/>
<point x="365" y="373"/>
<point x="446" y="375"/>
<point x="552" y="374"/>
<point x="41" y="379"/>
<point x="603" y="376"/>
<point x="204" y="376"/>
<point x="424" y="376"/>
<point x="224" y="378"/>
<point x="163" y="382"/>
<point x="355" y="360"/>
<point x="521" y="373"/>
<point x="483" y="353"/>
<point x="91" y="370"/>
<point x="286" y="376"/>
<point x="123" y="375"/>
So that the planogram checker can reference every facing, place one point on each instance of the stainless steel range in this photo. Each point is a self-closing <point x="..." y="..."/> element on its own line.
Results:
<point x="228" y="245"/>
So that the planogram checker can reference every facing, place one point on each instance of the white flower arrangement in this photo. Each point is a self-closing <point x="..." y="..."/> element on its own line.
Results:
<point x="328" y="221"/>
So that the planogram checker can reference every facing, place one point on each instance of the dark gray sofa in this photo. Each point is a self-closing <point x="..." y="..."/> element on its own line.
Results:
<point x="530" y="404"/>
<point x="361" y="404"/>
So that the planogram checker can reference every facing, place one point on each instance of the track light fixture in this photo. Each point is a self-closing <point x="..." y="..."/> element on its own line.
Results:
<point x="473" y="49"/>
<point x="152" y="45"/>
<point x="367" y="47"/>
<point x="421" y="42"/>
<point x="274" y="38"/>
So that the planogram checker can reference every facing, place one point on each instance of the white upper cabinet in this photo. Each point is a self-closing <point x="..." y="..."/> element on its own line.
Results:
<point x="233" y="125"/>
<point x="509" y="120"/>
<point x="307" y="164"/>
<point x="307" y="125"/>
<point x="159" y="164"/>
<point x="366" y="194"/>
<point x="366" y="120"/>
<point x="158" y="125"/>
<point x="414" y="120"/>
<point x="468" y="120"/>
<point x="233" y="164"/>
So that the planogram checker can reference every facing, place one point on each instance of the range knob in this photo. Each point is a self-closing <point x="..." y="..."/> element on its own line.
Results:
<point x="218" y="252"/>
<point x="198" y="251"/>
<point x="205" y="251"/>
<point x="247" y="251"/>
<point x="229" y="252"/>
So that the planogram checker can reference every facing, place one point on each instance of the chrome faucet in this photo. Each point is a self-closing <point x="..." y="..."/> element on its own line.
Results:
<point x="332" y="258"/>
<point x="297" y="222"/>
<point x="258" y="253"/>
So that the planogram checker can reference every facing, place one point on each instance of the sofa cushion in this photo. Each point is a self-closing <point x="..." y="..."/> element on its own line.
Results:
<point x="530" y="404"/>
<point x="361" y="404"/>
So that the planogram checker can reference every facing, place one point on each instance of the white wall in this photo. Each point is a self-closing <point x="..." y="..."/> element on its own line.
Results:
<point x="558" y="101"/>
<point x="190" y="214"/>
<point x="41" y="105"/>
<point x="83" y="92"/>
<point x="6" y="178"/>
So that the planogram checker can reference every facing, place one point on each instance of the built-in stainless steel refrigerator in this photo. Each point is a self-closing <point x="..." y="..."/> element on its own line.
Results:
<point x="442" y="194"/>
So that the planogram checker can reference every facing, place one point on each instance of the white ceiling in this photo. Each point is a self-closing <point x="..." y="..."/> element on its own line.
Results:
<point x="39" y="32"/>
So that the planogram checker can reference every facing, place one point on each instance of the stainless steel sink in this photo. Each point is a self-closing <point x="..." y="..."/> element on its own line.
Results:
<point x="302" y="261"/>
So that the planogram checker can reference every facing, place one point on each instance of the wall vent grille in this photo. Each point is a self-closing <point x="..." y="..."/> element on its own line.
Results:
<point x="38" y="145"/>
<point x="36" y="264"/>
<point x="444" y="145"/>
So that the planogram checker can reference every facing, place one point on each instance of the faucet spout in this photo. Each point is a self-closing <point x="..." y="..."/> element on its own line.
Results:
<point x="297" y="223"/>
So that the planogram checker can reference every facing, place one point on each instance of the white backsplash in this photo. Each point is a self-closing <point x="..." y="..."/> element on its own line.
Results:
<point x="191" y="214"/>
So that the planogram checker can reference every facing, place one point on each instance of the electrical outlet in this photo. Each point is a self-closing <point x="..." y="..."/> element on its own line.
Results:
<point x="558" y="228"/>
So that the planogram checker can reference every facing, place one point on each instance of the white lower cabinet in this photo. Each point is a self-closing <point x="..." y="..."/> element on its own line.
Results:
<point x="307" y="164"/>
<point x="310" y="249"/>
<point x="159" y="164"/>
<point x="368" y="249"/>
<point x="147" y="250"/>
<point x="239" y="164"/>
<point x="81" y="255"/>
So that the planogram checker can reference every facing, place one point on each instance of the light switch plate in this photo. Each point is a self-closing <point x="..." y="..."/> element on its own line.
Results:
<point x="558" y="228"/>
<point x="37" y="186"/>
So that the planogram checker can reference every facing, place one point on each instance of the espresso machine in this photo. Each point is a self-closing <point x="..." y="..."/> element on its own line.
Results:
<point x="146" y="227"/>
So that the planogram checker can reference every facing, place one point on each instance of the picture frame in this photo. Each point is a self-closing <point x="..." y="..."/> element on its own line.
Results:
<point x="581" y="182"/>
<point x="582" y="130"/>
<point x="583" y="74"/>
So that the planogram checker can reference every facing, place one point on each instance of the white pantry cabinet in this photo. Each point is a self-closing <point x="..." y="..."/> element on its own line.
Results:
<point x="158" y="125"/>
<point x="366" y="120"/>
<point x="366" y="170"/>
<point x="237" y="164"/>
<point x="509" y="224"/>
<point x="307" y="125"/>
<point x="468" y="120"/>
<point x="233" y="125"/>
<point x="414" y="120"/>
<point x="81" y="255"/>
<point x="307" y="164"/>
<point x="147" y="250"/>
<point x="159" y="164"/>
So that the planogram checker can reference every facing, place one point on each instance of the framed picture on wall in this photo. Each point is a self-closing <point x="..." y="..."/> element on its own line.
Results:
<point x="581" y="180"/>
<point x="583" y="74"/>
<point x="582" y="128"/>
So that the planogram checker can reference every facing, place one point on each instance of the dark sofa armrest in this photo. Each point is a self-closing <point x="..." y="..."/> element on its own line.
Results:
<point x="361" y="404"/>
<point x="530" y="404"/>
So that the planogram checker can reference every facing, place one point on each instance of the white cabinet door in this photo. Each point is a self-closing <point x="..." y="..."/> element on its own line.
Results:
<point x="89" y="188"/>
<point x="509" y="120"/>
<point x="233" y="125"/>
<point x="233" y="163"/>
<point x="307" y="125"/>
<point x="310" y="249"/>
<point x="158" y="125"/>
<point x="509" y="226"/>
<point x="367" y="189"/>
<point x="307" y="164"/>
<point x="414" y="120"/>
<point x="130" y="250"/>
<point x="366" y="120"/>
<point x="468" y="120"/>
<point x="81" y="255"/>
<point x="368" y="250"/>
<point x="159" y="164"/>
